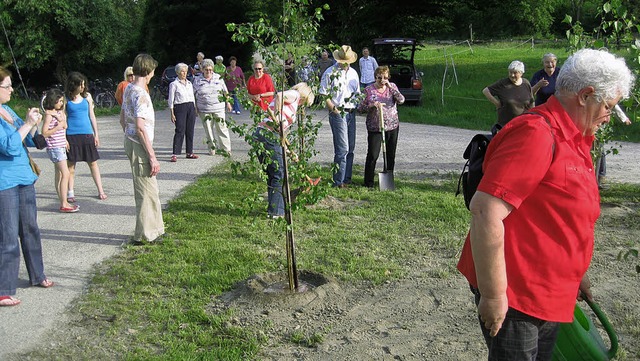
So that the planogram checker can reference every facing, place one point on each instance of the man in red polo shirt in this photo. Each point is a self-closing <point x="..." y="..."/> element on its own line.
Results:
<point x="532" y="226"/>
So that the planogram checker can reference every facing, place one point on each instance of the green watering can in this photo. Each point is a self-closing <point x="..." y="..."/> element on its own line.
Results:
<point x="581" y="341"/>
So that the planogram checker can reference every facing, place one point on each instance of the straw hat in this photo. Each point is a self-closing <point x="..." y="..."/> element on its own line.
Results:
<point x="345" y="55"/>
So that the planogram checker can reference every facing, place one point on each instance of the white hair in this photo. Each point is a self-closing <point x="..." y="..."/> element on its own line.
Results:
<point x="517" y="65"/>
<point x="219" y="57"/>
<point x="606" y="73"/>
<point x="207" y="63"/>
<point x="181" y="66"/>
<point x="549" y="56"/>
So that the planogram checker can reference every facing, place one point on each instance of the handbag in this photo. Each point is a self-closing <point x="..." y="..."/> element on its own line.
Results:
<point x="39" y="141"/>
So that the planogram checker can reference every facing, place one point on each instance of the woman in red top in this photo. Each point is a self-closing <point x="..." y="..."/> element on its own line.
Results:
<point x="260" y="86"/>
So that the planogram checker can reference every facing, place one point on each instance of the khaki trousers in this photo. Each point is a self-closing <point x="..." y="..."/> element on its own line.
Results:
<point x="149" y="223"/>
<point x="216" y="130"/>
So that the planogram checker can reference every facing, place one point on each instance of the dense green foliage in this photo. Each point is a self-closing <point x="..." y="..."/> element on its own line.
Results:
<point x="56" y="36"/>
<point x="99" y="38"/>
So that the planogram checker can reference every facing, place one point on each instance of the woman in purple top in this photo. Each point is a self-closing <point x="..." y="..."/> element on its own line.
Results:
<point x="234" y="80"/>
<point x="385" y="93"/>
<point x="543" y="82"/>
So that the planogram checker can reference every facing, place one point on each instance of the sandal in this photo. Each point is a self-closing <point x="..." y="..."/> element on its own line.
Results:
<point x="102" y="196"/>
<point x="192" y="156"/>
<point x="72" y="209"/>
<point x="174" y="158"/>
<point x="6" y="301"/>
<point x="46" y="283"/>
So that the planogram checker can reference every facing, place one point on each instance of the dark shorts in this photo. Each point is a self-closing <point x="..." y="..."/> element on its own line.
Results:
<point x="82" y="148"/>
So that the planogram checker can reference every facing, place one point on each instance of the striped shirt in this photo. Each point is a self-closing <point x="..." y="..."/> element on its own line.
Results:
<point x="59" y="138"/>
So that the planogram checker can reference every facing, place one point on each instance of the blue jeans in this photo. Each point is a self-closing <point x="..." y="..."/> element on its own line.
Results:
<point x="272" y="160"/>
<point x="236" y="102"/>
<point x="344" y="143"/>
<point x="19" y="217"/>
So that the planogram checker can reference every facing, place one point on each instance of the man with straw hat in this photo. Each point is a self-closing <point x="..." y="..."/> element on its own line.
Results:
<point x="340" y="85"/>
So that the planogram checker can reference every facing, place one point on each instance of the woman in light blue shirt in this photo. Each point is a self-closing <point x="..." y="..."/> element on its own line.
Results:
<point x="17" y="198"/>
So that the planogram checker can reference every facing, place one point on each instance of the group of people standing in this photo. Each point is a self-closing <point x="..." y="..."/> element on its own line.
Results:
<point x="341" y="86"/>
<point x="70" y="134"/>
<point x="515" y="95"/>
<point x="207" y="98"/>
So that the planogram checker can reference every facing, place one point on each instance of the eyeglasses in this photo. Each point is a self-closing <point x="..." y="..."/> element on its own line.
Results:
<point x="6" y="86"/>
<point x="382" y="77"/>
<point x="208" y="70"/>
<point x="129" y="74"/>
<point x="257" y="69"/>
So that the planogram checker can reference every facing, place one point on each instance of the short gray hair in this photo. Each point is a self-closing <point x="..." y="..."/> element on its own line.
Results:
<point x="606" y="73"/>
<point x="207" y="63"/>
<point x="181" y="66"/>
<point x="549" y="56"/>
<point x="517" y="65"/>
<point x="219" y="57"/>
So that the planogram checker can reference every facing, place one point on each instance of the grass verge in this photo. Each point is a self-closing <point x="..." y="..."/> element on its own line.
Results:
<point x="149" y="302"/>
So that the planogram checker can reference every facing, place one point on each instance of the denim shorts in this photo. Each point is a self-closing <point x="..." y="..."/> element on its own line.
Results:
<point x="57" y="154"/>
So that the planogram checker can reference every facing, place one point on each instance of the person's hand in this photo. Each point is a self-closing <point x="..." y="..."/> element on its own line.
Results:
<point x="97" y="140"/>
<point x="229" y="107"/>
<point x="544" y="83"/>
<point x="492" y="312"/>
<point x="585" y="288"/>
<point x="33" y="117"/>
<point x="155" y="166"/>
<point x="173" y="118"/>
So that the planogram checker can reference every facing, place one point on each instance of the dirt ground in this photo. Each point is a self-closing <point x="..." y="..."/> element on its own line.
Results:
<point x="425" y="316"/>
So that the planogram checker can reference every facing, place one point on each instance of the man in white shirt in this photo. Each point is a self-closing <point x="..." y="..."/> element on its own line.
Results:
<point x="368" y="66"/>
<point x="340" y="85"/>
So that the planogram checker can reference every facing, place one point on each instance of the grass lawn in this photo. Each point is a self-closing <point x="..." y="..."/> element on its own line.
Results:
<point x="151" y="300"/>
<point x="454" y="77"/>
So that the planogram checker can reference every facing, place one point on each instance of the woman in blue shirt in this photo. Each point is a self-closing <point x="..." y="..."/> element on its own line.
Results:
<point x="17" y="198"/>
<point x="82" y="132"/>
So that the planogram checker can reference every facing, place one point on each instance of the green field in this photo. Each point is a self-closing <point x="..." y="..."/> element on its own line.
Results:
<point x="454" y="76"/>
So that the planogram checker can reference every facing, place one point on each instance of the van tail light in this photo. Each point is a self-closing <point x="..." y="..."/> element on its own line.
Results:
<point x="416" y="84"/>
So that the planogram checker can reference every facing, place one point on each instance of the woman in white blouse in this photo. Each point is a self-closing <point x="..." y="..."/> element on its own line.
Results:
<point x="183" y="112"/>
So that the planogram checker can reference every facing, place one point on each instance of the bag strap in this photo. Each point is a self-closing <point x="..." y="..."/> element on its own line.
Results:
<point x="553" y="136"/>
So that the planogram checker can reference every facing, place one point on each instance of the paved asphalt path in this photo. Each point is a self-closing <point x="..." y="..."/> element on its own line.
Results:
<point x="74" y="243"/>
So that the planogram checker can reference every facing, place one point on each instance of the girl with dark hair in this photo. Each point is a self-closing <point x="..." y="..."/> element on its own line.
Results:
<point x="82" y="132"/>
<point x="54" y="130"/>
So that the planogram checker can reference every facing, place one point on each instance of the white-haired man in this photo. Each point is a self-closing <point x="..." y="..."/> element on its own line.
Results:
<point x="533" y="216"/>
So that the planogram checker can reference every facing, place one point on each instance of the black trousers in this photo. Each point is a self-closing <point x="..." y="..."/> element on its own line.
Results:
<point x="374" y="142"/>
<point x="185" y="122"/>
